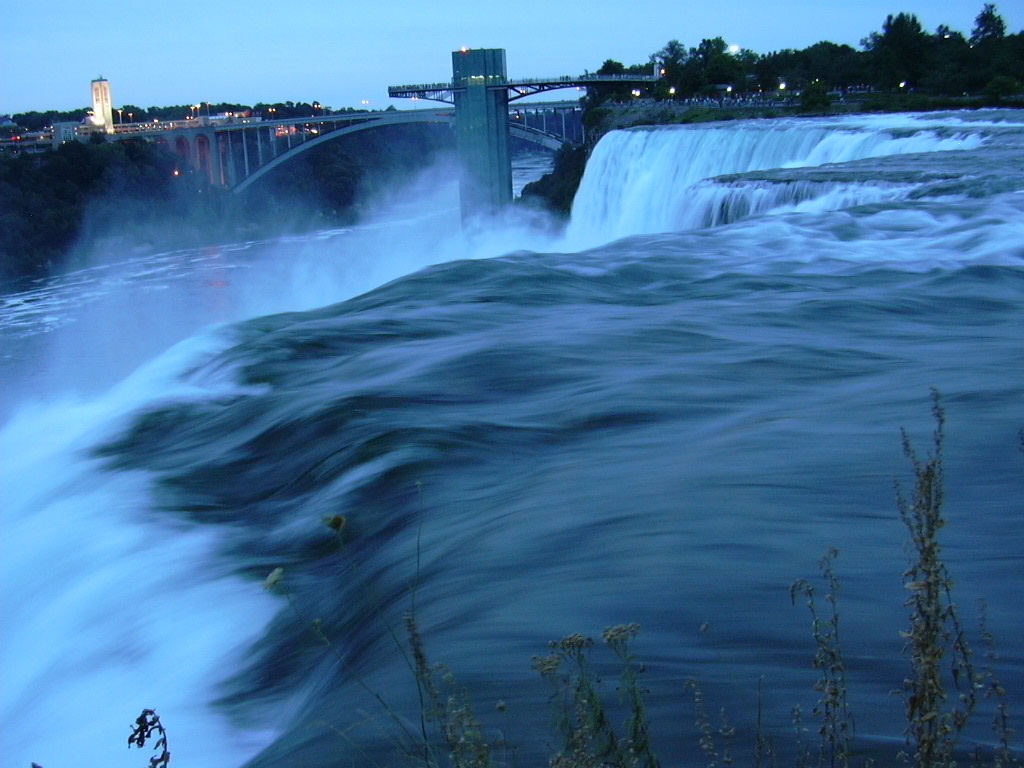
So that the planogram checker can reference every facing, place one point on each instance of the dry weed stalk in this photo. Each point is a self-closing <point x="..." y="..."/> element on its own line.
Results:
<point x="588" y="736"/>
<point x="146" y="725"/>
<point x="763" y="747"/>
<point x="462" y="732"/>
<point x="637" y="741"/>
<point x="1003" y="756"/>
<point x="837" y="726"/>
<point x="803" y="751"/>
<point x="275" y="583"/>
<point x="933" y="725"/>
<point x="708" y="733"/>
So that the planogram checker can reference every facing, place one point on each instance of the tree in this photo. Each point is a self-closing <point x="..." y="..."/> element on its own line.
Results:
<point x="601" y="92"/>
<point x="715" y="65"/>
<point x="949" y="63"/>
<point x="1001" y="86"/>
<point x="672" y="60"/>
<point x="899" y="55"/>
<point x="989" y="25"/>
<point x="815" y="98"/>
<point x="839" y="66"/>
<point x="672" y="56"/>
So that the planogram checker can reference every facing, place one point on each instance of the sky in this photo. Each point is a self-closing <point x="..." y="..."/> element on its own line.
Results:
<point x="342" y="53"/>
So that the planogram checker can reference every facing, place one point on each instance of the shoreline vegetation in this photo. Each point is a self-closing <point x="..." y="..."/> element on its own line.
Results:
<point x="59" y="207"/>
<point x="947" y="688"/>
<point x="67" y="208"/>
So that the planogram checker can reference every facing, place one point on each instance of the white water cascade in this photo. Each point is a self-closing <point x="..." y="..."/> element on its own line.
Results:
<point x="649" y="180"/>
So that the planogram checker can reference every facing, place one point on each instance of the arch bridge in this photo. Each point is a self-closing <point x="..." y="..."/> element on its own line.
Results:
<point x="236" y="152"/>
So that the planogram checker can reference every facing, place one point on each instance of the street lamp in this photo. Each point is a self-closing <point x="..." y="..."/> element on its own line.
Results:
<point x="120" y="116"/>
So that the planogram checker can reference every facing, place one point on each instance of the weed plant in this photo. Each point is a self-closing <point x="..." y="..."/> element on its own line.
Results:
<point x="935" y="639"/>
<point x="837" y="727"/>
<point x="589" y="739"/>
<point x="146" y="725"/>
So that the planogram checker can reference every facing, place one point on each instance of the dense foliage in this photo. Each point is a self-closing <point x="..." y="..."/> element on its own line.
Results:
<point x="46" y="196"/>
<point x="902" y="56"/>
<point x="59" y="206"/>
<point x="557" y="189"/>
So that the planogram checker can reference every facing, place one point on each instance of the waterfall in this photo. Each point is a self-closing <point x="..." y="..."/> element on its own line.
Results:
<point x="108" y="608"/>
<point x="648" y="180"/>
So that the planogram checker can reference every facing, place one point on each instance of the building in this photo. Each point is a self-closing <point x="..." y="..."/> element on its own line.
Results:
<point x="64" y="132"/>
<point x="102" y="105"/>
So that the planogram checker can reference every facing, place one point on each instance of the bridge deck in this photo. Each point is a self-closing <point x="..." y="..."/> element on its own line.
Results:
<point x="518" y="88"/>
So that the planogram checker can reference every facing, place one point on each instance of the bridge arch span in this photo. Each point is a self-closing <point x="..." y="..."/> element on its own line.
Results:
<point x="438" y="117"/>
<point x="546" y="140"/>
<point x="183" y="148"/>
<point x="203" y="156"/>
<point x="536" y="136"/>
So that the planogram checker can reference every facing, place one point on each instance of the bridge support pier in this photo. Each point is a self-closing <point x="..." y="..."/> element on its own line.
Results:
<point x="480" y="85"/>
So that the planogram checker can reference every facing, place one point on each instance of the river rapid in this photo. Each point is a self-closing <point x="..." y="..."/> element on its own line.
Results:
<point x="664" y="414"/>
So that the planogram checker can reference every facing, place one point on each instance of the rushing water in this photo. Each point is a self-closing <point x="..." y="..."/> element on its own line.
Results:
<point x="668" y="428"/>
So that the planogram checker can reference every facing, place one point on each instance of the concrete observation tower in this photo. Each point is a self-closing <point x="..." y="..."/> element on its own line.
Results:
<point x="481" y="90"/>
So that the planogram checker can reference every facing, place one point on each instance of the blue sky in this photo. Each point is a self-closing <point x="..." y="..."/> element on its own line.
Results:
<point x="187" y="51"/>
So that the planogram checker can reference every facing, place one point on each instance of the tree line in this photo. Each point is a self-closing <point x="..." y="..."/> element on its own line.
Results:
<point x="47" y="195"/>
<point x="60" y="206"/>
<point x="901" y="56"/>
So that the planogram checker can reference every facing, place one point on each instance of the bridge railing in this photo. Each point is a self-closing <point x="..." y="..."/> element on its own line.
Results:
<point x="421" y="87"/>
<point x="567" y="79"/>
<point x="589" y="78"/>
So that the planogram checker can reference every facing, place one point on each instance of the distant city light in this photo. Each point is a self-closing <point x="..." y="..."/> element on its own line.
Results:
<point x="782" y="86"/>
<point x="903" y="83"/>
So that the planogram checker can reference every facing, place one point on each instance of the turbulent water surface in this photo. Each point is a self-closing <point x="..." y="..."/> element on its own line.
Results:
<point x="665" y="416"/>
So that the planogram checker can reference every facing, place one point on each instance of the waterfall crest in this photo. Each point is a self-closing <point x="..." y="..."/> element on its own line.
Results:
<point x="642" y="181"/>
